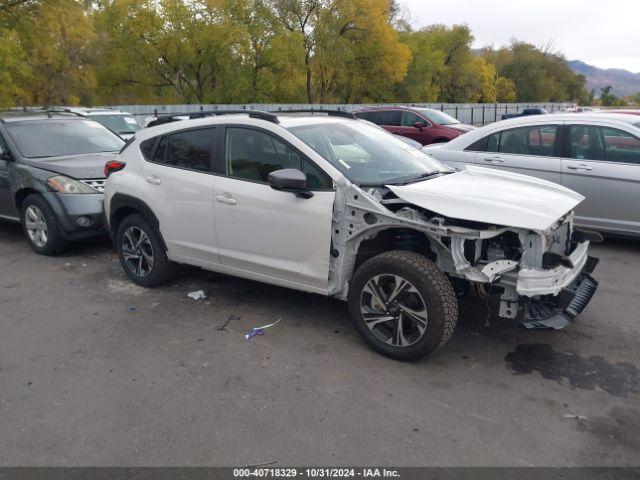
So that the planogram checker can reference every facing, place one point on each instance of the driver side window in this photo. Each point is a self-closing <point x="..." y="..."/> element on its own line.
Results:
<point x="252" y="155"/>
<point x="410" y="118"/>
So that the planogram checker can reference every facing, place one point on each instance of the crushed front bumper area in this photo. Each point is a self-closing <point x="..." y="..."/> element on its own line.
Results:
<point x="556" y="312"/>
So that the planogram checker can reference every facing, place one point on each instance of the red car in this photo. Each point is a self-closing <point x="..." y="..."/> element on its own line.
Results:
<point x="424" y="125"/>
<point x="628" y="112"/>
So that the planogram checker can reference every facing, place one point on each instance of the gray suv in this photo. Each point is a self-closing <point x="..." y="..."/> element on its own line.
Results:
<point x="52" y="176"/>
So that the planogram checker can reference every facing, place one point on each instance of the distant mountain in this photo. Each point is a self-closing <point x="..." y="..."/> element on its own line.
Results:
<point x="623" y="82"/>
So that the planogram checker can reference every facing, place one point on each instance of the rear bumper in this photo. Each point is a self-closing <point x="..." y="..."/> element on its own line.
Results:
<point x="70" y="210"/>
<point x="555" y="312"/>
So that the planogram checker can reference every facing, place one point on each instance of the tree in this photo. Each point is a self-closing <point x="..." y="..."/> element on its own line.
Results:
<point x="607" y="98"/>
<point x="505" y="90"/>
<point x="538" y="75"/>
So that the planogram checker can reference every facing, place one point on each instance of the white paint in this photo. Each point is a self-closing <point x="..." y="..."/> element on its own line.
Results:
<point x="491" y="196"/>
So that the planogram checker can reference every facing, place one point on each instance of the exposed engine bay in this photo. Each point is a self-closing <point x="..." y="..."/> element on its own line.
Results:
<point x="527" y="270"/>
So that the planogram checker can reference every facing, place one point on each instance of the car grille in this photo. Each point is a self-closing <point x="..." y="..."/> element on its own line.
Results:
<point x="96" y="184"/>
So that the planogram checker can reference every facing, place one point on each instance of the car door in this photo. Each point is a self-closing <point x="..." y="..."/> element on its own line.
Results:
<point x="177" y="183"/>
<point x="602" y="162"/>
<point x="7" y="206"/>
<point x="263" y="232"/>
<point x="409" y="129"/>
<point x="529" y="150"/>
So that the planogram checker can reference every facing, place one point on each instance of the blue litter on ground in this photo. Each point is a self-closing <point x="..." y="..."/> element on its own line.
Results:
<point x="260" y="330"/>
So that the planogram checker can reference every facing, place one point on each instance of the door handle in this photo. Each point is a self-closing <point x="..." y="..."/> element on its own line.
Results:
<point x="153" y="180"/>
<point x="493" y="159"/>
<point x="225" y="199"/>
<point x="580" y="166"/>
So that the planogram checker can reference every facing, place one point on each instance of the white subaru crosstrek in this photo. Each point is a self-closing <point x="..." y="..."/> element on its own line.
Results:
<point x="333" y="205"/>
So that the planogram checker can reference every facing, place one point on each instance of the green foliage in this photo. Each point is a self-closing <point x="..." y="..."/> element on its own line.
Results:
<point x="258" y="51"/>
<point x="536" y="74"/>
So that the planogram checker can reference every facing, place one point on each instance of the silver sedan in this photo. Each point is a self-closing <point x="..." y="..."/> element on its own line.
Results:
<point x="595" y="154"/>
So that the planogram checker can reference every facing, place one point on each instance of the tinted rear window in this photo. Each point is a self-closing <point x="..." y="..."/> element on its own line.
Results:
<point x="147" y="147"/>
<point x="391" y="118"/>
<point x="190" y="149"/>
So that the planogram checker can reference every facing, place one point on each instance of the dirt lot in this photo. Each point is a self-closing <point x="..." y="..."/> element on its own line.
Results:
<point x="97" y="371"/>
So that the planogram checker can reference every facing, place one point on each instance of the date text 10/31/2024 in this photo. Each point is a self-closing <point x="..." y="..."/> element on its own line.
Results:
<point x="315" y="473"/>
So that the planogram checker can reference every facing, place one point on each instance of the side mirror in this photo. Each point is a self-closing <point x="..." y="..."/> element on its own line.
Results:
<point x="5" y="155"/>
<point x="290" y="180"/>
<point x="419" y="125"/>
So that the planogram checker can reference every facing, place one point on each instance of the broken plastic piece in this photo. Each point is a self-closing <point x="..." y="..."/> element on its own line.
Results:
<point x="197" y="294"/>
<point x="260" y="330"/>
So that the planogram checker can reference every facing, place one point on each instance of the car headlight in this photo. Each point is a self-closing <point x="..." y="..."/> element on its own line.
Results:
<point x="63" y="184"/>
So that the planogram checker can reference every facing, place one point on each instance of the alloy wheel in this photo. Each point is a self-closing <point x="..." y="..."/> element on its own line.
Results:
<point x="36" y="226"/>
<point x="137" y="251"/>
<point x="394" y="310"/>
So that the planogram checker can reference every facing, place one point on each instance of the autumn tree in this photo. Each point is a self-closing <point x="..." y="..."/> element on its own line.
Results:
<point x="538" y="75"/>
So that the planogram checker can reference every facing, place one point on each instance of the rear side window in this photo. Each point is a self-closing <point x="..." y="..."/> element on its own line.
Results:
<point x="252" y="155"/>
<point x="147" y="147"/>
<point x="620" y="146"/>
<point x="190" y="149"/>
<point x="603" y="143"/>
<point x="161" y="151"/>
<point x="370" y="116"/>
<point x="538" y="140"/>
<point x="478" y="145"/>
<point x="390" y="118"/>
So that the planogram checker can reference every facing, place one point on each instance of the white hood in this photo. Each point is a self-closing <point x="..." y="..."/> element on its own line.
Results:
<point x="492" y="196"/>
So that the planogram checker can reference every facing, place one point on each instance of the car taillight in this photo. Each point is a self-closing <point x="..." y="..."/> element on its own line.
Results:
<point x="113" y="166"/>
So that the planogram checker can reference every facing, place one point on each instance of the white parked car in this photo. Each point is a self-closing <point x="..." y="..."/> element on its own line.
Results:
<point x="594" y="154"/>
<point x="332" y="205"/>
<point x="121" y="123"/>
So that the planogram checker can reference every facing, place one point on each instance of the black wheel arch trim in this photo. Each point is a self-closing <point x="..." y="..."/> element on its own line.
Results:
<point x="120" y="201"/>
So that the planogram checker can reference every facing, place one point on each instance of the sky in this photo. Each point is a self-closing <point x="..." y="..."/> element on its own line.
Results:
<point x="603" y="33"/>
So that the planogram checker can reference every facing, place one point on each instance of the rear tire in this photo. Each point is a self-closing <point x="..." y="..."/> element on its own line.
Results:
<point x="403" y="305"/>
<point x="141" y="252"/>
<point x="41" y="226"/>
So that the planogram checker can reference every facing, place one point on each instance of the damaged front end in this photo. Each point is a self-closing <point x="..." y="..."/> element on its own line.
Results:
<point x="542" y="277"/>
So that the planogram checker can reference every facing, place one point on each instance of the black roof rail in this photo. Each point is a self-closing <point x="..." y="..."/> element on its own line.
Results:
<point x="38" y="111"/>
<point x="330" y="113"/>
<point x="63" y="110"/>
<point x="171" y="117"/>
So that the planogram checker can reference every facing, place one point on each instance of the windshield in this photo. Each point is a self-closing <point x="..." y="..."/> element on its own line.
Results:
<point x="367" y="155"/>
<point x="436" y="116"/>
<point x="118" y="123"/>
<point x="637" y="124"/>
<point x="53" y="138"/>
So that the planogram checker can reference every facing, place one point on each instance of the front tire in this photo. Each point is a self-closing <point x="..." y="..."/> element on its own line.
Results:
<point x="41" y="226"/>
<point x="141" y="253"/>
<point x="403" y="305"/>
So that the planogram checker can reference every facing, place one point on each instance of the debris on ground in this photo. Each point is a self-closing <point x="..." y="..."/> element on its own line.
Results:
<point x="260" y="330"/>
<point x="575" y="416"/>
<point x="132" y="308"/>
<point x="223" y="327"/>
<point x="197" y="295"/>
